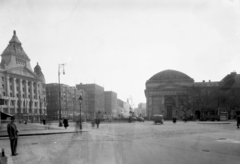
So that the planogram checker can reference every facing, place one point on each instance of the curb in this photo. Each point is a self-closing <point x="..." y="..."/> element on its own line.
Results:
<point x="50" y="133"/>
<point x="214" y="123"/>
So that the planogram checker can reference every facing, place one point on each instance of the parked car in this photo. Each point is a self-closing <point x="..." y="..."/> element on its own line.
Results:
<point x="158" y="119"/>
<point x="141" y="119"/>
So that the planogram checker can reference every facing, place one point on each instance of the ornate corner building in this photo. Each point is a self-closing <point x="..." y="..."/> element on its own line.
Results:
<point x="22" y="89"/>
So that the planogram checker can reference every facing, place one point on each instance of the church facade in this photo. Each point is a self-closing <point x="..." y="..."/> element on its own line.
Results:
<point x="22" y="88"/>
<point x="162" y="92"/>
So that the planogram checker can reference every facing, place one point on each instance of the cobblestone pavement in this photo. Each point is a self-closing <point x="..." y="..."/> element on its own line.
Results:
<point x="133" y="143"/>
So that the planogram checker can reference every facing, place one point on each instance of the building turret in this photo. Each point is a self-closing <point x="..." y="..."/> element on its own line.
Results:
<point x="38" y="72"/>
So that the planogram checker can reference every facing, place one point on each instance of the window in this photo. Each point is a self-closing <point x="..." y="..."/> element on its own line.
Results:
<point x="4" y="94"/>
<point x="3" y="86"/>
<point x="2" y="78"/>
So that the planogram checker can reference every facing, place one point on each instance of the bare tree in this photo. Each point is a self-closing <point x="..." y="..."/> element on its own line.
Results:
<point x="184" y="103"/>
<point x="230" y="99"/>
<point x="204" y="98"/>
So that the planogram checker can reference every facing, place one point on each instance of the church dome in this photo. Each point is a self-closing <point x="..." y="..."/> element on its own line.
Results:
<point x="170" y="75"/>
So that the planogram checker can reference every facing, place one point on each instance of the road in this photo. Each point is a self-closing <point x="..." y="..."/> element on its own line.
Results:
<point x="134" y="143"/>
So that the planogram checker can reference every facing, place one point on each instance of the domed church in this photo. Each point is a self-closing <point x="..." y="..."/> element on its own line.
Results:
<point x="169" y="93"/>
<point x="162" y="91"/>
<point x="22" y="89"/>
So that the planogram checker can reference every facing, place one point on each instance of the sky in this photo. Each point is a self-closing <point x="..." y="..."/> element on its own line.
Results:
<point x="120" y="44"/>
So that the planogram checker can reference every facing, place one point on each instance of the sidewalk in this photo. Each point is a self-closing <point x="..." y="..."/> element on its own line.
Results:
<point x="40" y="129"/>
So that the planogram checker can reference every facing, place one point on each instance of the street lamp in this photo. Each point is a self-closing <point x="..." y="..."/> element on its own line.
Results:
<point x="80" y="99"/>
<point x="73" y="108"/>
<point x="59" y="72"/>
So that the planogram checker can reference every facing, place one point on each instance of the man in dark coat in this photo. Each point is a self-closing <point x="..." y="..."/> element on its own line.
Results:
<point x="44" y="121"/>
<point x="97" y="122"/>
<point x="65" y="123"/>
<point x="13" y="136"/>
<point x="238" y="121"/>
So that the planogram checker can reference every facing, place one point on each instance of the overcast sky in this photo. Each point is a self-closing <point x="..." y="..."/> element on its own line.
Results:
<point x="120" y="44"/>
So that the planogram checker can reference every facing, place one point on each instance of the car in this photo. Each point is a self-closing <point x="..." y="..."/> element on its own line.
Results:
<point x="158" y="119"/>
<point x="134" y="118"/>
<point x="141" y="119"/>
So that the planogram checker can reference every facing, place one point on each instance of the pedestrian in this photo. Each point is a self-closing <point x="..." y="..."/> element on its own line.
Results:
<point x="13" y="136"/>
<point x="65" y="123"/>
<point x="44" y="121"/>
<point x="93" y="122"/>
<point x="174" y="120"/>
<point x="98" y="122"/>
<point x="238" y="121"/>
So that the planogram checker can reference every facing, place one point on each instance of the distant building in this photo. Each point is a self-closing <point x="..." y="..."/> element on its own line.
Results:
<point x="110" y="103"/>
<point x="123" y="107"/>
<point x="95" y="98"/>
<point x="141" y="110"/>
<point x="70" y="106"/>
<point x="22" y="88"/>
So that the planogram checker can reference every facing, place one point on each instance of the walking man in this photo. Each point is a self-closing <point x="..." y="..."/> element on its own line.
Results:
<point x="98" y="122"/>
<point x="238" y="121"/>
<point x="65" y="123"/>
<point x="13" y="136"/>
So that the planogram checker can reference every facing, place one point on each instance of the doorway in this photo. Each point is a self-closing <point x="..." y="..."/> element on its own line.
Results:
<point x="169" y="112"/>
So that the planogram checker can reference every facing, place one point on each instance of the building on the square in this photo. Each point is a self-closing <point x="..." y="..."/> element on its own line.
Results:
<point x="70" y="105"/>
<point x="22" y="88"/>
<point x="123" y="108"/>
<point x="95" y="98"/>
<point x="110" y="103"/>
<point x="140" y="110"/>
<point x="168" y="91"/>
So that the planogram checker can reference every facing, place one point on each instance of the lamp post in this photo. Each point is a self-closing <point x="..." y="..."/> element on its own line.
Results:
<point x="73" y="108"/>
<point x="80" y="99"/>
<point x="59" y="73"/>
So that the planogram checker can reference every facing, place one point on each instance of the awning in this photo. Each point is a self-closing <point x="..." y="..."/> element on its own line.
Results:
<point x="5" y="115"/>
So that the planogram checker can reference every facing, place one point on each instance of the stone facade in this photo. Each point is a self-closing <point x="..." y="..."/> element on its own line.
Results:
<point x="70" y="105"/>
<point x="162" y="92"/>
<point x="95" y="98"/>
<point x="166" y="88"/>
<point x="110" y="103"/>
<point x="22" y="88"/>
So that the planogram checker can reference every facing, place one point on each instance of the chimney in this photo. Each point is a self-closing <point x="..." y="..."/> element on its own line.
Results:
<point x="233" y="73"/>
<point x="209" y="81"/>
<point x="203" y="81"/>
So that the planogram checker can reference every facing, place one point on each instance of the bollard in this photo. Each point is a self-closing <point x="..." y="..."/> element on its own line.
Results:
<point x="3" y="153"/>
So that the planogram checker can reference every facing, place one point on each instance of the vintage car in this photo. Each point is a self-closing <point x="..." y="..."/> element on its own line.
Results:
<point x="140" y="119"/>
<point x="158" y="119"/>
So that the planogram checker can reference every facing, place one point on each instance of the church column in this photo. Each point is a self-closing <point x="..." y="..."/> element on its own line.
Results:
<point x="176" y="111"/>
